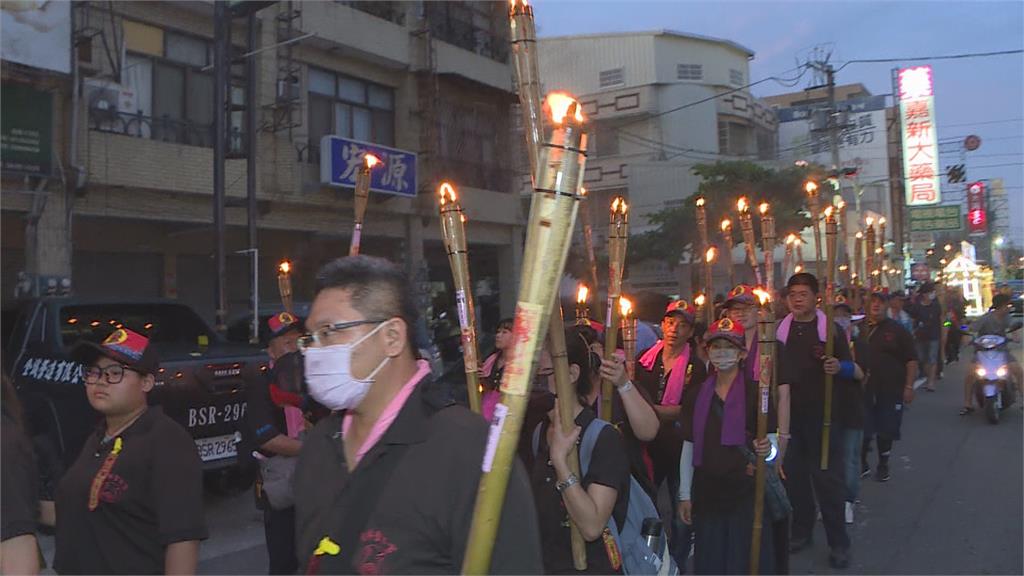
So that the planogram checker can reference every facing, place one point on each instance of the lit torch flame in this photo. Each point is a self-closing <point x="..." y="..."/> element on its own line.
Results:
<point x="625" y="307"/>
<point x="791" y="238"/>
<point x="841" y="205"/>
<point x="881" y="221"/>
<point x="371" y="160"/>
<point x="619" y="205"/>
<point x="741" y="204"/>
<point x="870" y="221"/>
<point x="811" y="187"/>
<point x="700" y="202"/>
<point x="583" y="191"/>
<point x="726" y="224"/>
<point x="581" y="293"/>
<point x="798" y="269"/>
<point x="828" y="212"/>
<point x="447" y="193"/>
<point x="709" y="256"/>
<point x="285" y="267"/>
<point x="699" y="300"/>
<point x="763" y="208"/>
<point x="860" y="235"/>
<point x="559" y="104"/>
<point x="763" y="296"/>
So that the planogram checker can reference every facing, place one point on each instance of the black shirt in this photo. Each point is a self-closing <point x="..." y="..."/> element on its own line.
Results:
<point x="609" y="466"/>
<point x="927" y="320"/>
<point x="667" y="445"/>
<point x="152" y="497"/>
<point x="883" y="351"/>
<point x="801" y="366"/>
<point x="20" y="495"/>
<point x="408" y="505"/>
<point x="721" y="481"/>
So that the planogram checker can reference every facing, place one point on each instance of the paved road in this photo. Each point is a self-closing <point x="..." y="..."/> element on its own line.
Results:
<point x="955" y="503"/>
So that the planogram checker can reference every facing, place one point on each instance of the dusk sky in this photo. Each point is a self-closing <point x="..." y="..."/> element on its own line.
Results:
<point x="982" y="96"/>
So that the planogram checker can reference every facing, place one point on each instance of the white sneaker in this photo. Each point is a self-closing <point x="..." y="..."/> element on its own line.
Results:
<point x="849" y="512"/>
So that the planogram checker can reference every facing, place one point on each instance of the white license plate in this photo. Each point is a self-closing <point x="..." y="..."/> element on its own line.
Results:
<point x="216" y="447"/>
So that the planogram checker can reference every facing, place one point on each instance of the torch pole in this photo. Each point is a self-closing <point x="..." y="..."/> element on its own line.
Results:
<point x="858" y="263"/>
<point x="618" y="235"/>
<point x="629" y="337"/>
<point x="787" y="258"/>
<point x="768" y="247"/>
<point x="582" y="310"/>
<point x="830" y="248"/>
<point x="727" y="236"/>
<point x="702" y="230"/>
<point x="813" y="208"/>
<point x="709" y="285"/>
<point x="869" y="253"/>
<point x="747" y="226"/>
<point x="284" y="284"/>
<point x="362" y="197"/>
<point x="549" y="233"/>
<point x="588" y="237"/>
<point x="766" y="346"/>
<point x="453" y="231"/>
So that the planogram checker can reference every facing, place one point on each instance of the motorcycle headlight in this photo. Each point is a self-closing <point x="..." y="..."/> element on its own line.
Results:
<point x="980" y="372"/>
<point x="1001" y="372"/>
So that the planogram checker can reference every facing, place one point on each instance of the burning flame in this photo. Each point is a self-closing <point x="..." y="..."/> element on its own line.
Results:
<point x="447" y="193"/>
<point x="790" y="238"/>
<point x="798" y="269"/>
<point x="881" y="221"/>
<point x="625" y="307"/>
<point x="843" y="267"/>
<point x="371" y="160"/>
<point x="581" y="293"/>
<point x="559" y="103"/>
<point x="860" y="235"/>
<point x="878" y="250"/>
<point x="699" y="300"/>
<point x="709" y="256"/>
<point x="514" y="4"/>
<point x="619" y="205"/>
<point x="841" y="205"/>
<point x="763" y="208"/>
<point x="583" y="191"/>
<point x="763" y="296"/>
<point x="828" y="212"/>
<point x="741" y="204"/>
<point x="700" y="202"/>
<point x="285" y="267"/>
<point x="726" y="224"/>
<point x="811" y="187"/>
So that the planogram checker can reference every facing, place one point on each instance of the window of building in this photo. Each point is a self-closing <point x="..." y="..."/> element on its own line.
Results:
<point x="613" y="77"/>
<point x="173" y="94"/>
<point x="689" y="71"/>
<point x="390" y="11"/>
<point x="480" y="27"/>
<point x="734" y="138"/>
<point x="735" y="77"/>
<point x="349" y="107"/>
<point x="605" y="141"/>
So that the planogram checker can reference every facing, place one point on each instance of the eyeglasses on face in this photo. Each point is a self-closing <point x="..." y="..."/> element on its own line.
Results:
<point x="113" y="374"/>
<point x="319" y="336"/>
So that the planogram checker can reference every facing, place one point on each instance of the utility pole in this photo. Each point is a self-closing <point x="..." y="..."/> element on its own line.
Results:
<point x="220" y="79"/>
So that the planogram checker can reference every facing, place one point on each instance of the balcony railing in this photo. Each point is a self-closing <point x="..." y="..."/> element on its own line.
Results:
<point x="163" y="129"/>
<point x="459" y="32"/>
<point x="390" y="11"/>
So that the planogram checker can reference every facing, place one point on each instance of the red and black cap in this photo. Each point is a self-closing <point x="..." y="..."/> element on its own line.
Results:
<point x="880" y="292"/>
<point x="726" y="329"/>
<point x="682" y="308"/>
<point x="281" y="323"/>
<point x="125" y="346"/>
<point x="842" y="302"/>
<point x="741" y="294"/>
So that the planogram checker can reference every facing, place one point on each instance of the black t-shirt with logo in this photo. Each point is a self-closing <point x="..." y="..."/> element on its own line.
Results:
<point x="883" y="351"/>
<point x="801" y="366"/>
<point x="667" y="445"/>
<point x="609" y="466"/>
<point x="152" y="497"/>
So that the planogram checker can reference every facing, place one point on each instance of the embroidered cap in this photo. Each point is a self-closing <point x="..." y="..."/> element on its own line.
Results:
<point x="683" y="308"/>
<point x="741" y="294"/>
<point x="726" y="329"/>
<point x="280" y="323"/>
<point x="880" y="292"/>
<point x="842" y="302"/>
<point x="125" y="346"/>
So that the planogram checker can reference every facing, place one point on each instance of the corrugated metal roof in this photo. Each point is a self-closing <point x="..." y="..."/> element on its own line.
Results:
<point x="661" y="32"/>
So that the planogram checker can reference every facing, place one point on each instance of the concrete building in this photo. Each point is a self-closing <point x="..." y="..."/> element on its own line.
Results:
<point x="136" y="148"/>
<point x="659" y="103"/>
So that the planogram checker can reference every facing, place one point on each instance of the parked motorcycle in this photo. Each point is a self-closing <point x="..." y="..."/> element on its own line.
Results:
<point x="994" y="387"/>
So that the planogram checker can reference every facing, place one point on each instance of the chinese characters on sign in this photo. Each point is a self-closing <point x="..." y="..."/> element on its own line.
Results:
<point x="977" y="219"/>
<point x="935" y="218"/>
<point x="341" y="159"/>
<point x="920" y="140"/>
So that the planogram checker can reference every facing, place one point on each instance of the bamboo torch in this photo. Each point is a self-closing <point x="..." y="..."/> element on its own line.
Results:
<point x="727" y="235"/>
<point x="524" y="59"/>
<point x="454" y="233"/>
<point x="549" y="232"/>
<point x="618" y="235"/>
<point x="702" y="229"/>
<point x="747" y="226"/>
<point x="588" y="236"/>
<point x="869" y="252"/>
<point x="284" y="284"/>
<point x="582" y="310"/>
<point x="830" y="271"/>
<point x="768" y="246"/>
<point x="787" y="259"/>
<point x="799" y="243"/>
<point x="628" y="335"/>
<point x="700" y="301"/>
<point x="362" y="197"/>
<point x="709" y="261"/>
<point x="812" y="206"/>
<point x="766" y="344"/>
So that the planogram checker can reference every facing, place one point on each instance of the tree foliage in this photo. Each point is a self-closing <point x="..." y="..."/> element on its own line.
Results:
<point x="722" y="184"/>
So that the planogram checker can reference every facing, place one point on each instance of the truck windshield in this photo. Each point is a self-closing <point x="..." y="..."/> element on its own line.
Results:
<point x="160" y="323"/>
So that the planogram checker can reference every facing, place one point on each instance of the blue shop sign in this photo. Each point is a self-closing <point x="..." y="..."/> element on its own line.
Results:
<point x="341" y="159"/>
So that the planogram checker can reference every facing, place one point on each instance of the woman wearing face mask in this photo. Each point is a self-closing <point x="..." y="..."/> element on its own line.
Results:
<point x="716" y="469"/>
<point x="602" y="491"/>
<point x="493" y="367"/>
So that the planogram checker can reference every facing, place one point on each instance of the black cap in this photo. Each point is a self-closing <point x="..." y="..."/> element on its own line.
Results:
<point x="125" y="346"/>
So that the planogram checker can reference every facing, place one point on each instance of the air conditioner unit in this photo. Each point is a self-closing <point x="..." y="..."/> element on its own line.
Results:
<point x="105" y="96"/>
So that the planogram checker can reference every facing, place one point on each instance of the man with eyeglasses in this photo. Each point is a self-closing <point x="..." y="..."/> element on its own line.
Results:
<point x="388" y="482"/>
<point x="132" y="503"/>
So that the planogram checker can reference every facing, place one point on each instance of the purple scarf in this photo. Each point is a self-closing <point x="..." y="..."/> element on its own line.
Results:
<point x="782" y="334"/>
<point x="734" y="421"/>
<point x="752" y="365"/>
<point x="677" y="377"/>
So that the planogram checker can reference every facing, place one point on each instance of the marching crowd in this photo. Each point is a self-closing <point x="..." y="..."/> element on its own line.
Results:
<point x="366" y="464"/>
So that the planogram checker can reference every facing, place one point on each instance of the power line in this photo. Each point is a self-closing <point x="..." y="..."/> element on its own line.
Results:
<point x="918" y="58"/>
<point x="1007" y="120"/>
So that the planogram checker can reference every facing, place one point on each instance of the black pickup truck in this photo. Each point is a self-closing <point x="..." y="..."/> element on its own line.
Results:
<point x="201" y="382"/>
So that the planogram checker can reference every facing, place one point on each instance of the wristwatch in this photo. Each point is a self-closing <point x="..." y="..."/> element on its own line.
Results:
<point x="564" y="485"/>
<point x="625" y="387"/>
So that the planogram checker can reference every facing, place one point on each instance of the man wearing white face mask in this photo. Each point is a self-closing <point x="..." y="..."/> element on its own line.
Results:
<point x="387" y="484"/>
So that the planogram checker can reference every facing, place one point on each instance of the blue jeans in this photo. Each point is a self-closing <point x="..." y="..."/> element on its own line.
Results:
<point x="852" y="441"/>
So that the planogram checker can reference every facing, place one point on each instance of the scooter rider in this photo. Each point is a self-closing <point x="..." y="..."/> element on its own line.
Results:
<point x="995" y="321"/>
